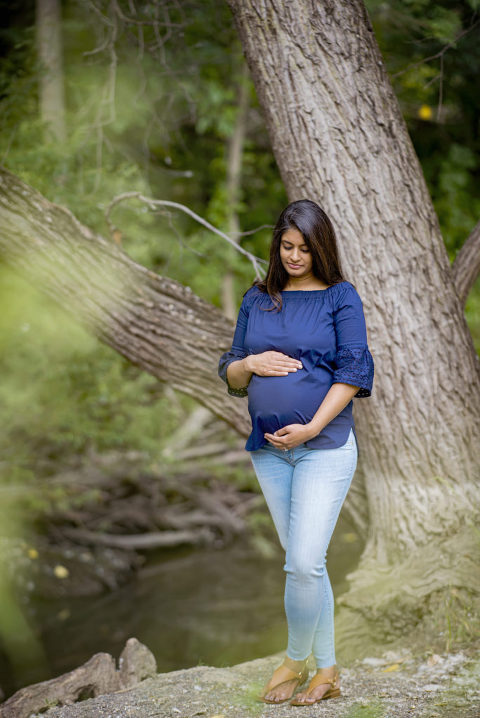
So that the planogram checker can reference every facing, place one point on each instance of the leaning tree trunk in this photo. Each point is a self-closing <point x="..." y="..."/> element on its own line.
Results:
<point x="339" y="138"/>
<point x="155" y="322"/>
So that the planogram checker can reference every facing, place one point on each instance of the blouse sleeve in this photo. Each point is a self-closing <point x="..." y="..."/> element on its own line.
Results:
<point x="238" y="350"/>
<point x="353" y="361"/>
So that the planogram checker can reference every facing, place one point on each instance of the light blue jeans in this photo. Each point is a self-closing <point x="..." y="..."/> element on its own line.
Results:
<point x="304" y="489"/>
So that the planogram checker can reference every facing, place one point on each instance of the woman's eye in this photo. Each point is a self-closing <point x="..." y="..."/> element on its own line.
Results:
<point x="288" y="247"/>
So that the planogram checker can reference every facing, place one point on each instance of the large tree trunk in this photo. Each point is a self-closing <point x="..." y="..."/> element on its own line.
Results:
<point x="339" y="139"/>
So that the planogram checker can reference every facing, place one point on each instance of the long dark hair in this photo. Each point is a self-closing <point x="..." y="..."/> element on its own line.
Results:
<point x="319" y="236"/>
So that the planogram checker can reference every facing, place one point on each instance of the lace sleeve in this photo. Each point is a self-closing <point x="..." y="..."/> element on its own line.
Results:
<point x="355" y="366"/>
<point x="225" y="360"/>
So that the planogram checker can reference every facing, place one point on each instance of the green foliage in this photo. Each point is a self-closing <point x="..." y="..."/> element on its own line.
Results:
<point x="472" y="314"/>
<point x="64" y="392"/>
<point x="456" y="201"/>
<point x="155" y="121"/>
<point x="432" y="54"/>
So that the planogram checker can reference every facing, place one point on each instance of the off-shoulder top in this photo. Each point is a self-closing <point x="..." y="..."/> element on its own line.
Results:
<point x="324" y="329"/>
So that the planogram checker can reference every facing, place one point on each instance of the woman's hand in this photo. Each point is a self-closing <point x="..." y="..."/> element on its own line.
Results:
<point x="271" y="363"/>
<point x="288" y="437"/>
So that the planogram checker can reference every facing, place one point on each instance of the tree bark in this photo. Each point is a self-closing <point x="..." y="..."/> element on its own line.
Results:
<point x="339" y="138"/>
<point x="153" y="321"/>
<point x="51" y="81"/>
<point x="466" y="267"/>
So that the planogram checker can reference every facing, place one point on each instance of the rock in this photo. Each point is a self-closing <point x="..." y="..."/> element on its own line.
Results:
<point x="136" y="663"/>
<point x="97" y="677"/>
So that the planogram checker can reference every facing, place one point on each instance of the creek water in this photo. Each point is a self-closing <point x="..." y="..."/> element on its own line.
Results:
<point x="216" y="607"/>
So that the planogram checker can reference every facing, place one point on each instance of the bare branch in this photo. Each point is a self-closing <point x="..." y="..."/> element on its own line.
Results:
<point x="466" y="267"/>
<point x="157" y="539"/>
<point x="153" y="203"/>
<point x="438" y="54"/>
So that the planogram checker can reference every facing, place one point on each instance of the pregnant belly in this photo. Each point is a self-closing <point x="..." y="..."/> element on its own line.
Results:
<point x="275" y="401"/>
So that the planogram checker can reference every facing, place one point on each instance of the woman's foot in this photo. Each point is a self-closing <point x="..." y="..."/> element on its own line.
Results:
<point x="284" y="680"/>
<point x="318" y="690"/>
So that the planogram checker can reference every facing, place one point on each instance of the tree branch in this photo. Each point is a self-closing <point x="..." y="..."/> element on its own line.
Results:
<point x="153" y="321"/>
<point x="153" y="203"/>
<point x="466" y="266"/>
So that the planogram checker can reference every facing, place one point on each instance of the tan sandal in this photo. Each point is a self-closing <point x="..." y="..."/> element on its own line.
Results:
<point x="318" y="679"/>
<point x="300" y="677"/>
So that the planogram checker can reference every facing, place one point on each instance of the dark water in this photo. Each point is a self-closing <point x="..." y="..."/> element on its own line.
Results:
<point x="216" y="607"/>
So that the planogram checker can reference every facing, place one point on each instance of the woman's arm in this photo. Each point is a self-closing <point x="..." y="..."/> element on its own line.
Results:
<point x="336" y="399"/>
<point x="238" y="375"/>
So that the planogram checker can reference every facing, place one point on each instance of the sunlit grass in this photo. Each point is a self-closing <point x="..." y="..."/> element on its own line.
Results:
<point x="373" y="709"/>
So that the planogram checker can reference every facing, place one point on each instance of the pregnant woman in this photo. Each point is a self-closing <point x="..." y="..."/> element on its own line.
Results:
<point x="300" y="354"/>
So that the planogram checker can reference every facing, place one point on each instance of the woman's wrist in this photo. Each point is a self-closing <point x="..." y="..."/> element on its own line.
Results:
<point x="247" y="364"/>
<point x="312" y="430"/>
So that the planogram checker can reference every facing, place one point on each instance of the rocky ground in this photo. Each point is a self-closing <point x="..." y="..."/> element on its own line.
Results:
<point x="382" y="686"/>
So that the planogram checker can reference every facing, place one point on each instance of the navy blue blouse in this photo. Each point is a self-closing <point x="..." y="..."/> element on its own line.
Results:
<point x="324" y="329"/>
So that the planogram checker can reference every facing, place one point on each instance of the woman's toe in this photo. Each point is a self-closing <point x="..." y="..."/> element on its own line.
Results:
<point x="301" y="697"/>
<point x="319" y="691"/>
<point x="273" y="696"/>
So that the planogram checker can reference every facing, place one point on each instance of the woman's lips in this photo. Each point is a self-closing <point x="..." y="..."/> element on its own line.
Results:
<point x="294" y="266"/>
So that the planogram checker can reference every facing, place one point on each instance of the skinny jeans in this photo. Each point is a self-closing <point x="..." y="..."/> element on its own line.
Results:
<point x="305" y="489"/>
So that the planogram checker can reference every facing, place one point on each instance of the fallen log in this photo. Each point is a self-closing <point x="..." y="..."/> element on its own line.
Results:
<point x="158" y="539"/>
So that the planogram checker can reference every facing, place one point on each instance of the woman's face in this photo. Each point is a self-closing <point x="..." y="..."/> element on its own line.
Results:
<point x="294" y="254"/>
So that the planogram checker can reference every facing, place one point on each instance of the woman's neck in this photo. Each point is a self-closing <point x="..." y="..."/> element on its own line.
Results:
<point x="306" y="283"/>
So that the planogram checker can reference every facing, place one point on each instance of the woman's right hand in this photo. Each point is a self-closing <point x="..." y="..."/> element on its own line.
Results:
<point x="271" y="363"/>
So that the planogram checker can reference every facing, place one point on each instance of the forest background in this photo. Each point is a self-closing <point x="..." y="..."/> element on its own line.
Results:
<point x="157" y="100"/>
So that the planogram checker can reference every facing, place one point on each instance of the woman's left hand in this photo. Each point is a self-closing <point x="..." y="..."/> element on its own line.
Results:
<point x="288" y="437"/>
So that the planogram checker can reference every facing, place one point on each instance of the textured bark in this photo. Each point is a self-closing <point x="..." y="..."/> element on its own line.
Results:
<point x="466" y="266"/>
<point x="339" y="139"/>
<point x="155" y="322"/>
